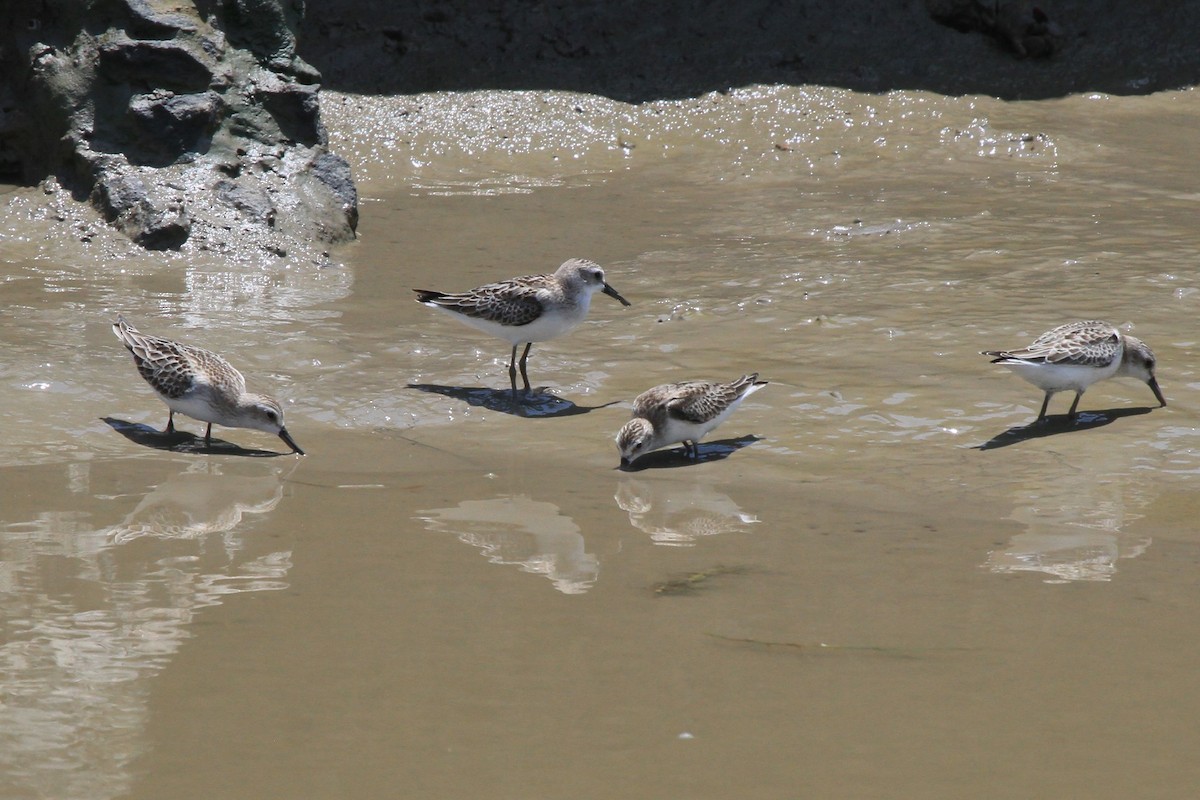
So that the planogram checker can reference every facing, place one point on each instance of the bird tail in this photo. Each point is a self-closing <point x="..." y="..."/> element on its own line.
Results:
<point x="997" y="355"/>
<point x="125" y="332"/>
<point x="136" y="342"/>
<point x="427" y="296"/>
<point x="748" y="384"/>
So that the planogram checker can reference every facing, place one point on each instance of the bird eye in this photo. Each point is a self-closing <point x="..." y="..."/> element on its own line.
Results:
<point x="271" y="415"/>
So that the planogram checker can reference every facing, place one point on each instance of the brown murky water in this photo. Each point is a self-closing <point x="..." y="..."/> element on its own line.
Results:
<point x="877" y="583"/>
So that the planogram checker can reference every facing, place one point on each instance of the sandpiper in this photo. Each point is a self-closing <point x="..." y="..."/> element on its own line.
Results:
<point x="681" y="412"/>
<point x="201" y="385"/>
<point x="529" y="309"/>
<point x="1076" y="355"/>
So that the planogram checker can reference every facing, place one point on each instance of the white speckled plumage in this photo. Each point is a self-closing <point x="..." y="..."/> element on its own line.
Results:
<point x="681" y="412"/>
<point x="1078" y="354"/>
<point x="528" y="309"/>
<point x="201" y="385"/>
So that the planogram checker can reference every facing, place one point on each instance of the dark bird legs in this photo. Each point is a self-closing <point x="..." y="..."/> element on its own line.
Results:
<point x="512" y="370"/>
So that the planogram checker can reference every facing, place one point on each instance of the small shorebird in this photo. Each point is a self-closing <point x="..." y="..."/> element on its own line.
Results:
<point x="681" y="412"/>
<point x="529" y="309"/>
<point x="1076" y="355"/>
<point x="201" y="385"/>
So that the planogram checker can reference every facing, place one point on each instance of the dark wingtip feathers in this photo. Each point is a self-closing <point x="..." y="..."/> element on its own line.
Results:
<point x="123" y="331"/>
<point x="427" y="296"/>
<point x="996" y="355"/>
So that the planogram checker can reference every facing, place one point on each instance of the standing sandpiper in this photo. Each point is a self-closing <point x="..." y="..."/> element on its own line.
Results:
<point x="529" y="309"/>
<point x="681" y="412"/>
<point x="201" y="385"/>
<point x="1076" y="355"/>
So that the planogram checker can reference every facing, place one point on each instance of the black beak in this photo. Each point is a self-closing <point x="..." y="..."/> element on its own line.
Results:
<point x="287" y="437"/>
<point x="627" y="464"/>
<point x="1153" y="384"/>
<point x="611" y="292"/>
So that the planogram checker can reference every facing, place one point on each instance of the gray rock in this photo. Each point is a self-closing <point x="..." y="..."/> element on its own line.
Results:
<point x="168" y="126"/>
<point x="334" y="171"/>
<point x="293" y="106"/>
<point x="253" y="202"/>
<point x="152" y="218"/>
<point x="147" y="21"/>
<point x="171" y="64"/>
<point x="184" y="124"/>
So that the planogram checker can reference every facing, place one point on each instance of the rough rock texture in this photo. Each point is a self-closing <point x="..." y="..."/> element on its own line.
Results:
<point x="636" y="51"/>
<point x="181" y="121"/>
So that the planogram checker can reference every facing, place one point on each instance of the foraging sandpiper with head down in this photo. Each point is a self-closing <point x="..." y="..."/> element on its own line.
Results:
<point x="1076" y="355"/>
<point x="201" y="385"/>
<point x="681" y="412"/>
<point x="528" y="309"/>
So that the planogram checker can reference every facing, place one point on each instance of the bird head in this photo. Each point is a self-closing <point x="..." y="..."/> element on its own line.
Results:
<point x="635" y="439"/>
<point x="1138" y="362"/>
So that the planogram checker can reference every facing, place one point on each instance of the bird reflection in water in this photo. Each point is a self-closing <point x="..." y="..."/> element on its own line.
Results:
<point x="518" y="530"/>
<point x="1076" y="528"/>
<point x="196" y="503"/>
<point x="105" y="606"/>
<point x="677" y="514"/>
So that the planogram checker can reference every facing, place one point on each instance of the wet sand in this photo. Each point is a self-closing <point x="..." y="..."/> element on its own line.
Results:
<point x="879" y="580"/>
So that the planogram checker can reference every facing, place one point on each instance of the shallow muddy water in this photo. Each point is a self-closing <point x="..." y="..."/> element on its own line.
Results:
<point x="876" y="582"/>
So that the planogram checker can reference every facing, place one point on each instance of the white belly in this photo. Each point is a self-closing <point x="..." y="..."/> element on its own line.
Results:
<point x="676" y="430"/>
<point x="195" y="404"/>
<point x="551" y="324"/>
<point x="1062" y="377"/>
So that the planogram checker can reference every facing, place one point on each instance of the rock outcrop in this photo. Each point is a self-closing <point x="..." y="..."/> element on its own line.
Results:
<point x="183" y="122"/>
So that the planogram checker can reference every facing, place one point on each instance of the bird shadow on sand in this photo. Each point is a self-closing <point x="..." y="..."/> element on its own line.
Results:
<point x="537" y="404"/>
<point x="717" y="450"/>
<point x="182" y="441"/>
<point x="1060" y="424"/>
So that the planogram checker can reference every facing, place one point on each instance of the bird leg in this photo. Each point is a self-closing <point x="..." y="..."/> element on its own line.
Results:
<point x="512" y="374"/>
<point x="170" y="420"/>
<point x="1046" y="403"/>
<point x="524" y="358"/>
<point x="208" y="435"/>
<point x="1071" y="413"/>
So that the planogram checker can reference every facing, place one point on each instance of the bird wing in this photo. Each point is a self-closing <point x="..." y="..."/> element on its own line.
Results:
<point x="511" y="302"/>
<point x="1085" y="345"/>
<point x="699" y="401"/>
<point x="170" y="367"/>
